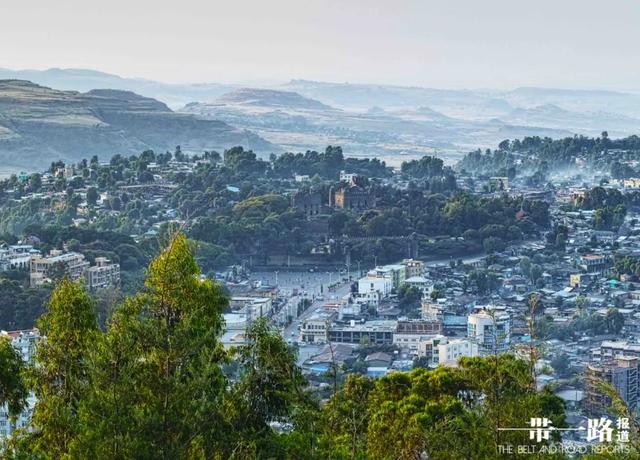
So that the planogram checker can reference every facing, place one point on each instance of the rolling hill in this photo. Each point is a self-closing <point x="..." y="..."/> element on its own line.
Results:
<point x="40" y="124"/>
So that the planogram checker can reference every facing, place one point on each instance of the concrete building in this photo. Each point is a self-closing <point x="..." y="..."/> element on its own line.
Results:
<point x="72" y="263"/>
<point x="449" y="352"/>
<point x="347" y="177"/>
<point x="490" y="330"/>
<point x="622" y="373"/>
<point x="314" y="328"/>
<point x="16" y="257"/>
<point x="253" y="307"/>
<point x="235" y="330"/>
<point x="397" y="273"/>
<point x="371" y="332"/>
<point x="409" y="333"/>
<point x="102" y="275"/>
<point x="368" y="284"/>
<point x="413" y="268"/>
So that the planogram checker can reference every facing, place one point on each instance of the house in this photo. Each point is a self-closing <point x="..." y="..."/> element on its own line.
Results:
<point x="104" y="274"/>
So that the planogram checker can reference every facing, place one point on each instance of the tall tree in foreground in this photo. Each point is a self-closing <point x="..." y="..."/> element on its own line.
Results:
<point x="59" y="376"/>
<point x="158" y="384"/>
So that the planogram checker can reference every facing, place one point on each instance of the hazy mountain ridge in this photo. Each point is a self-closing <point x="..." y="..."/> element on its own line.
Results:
<point x="298" y="123"/>
<point x="38" y="124"/>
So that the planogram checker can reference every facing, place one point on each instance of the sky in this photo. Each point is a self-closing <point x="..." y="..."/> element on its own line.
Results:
<point x="447" y="44"/>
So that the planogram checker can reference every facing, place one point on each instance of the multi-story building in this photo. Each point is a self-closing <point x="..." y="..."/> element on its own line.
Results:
<point x="103" y="274"/>
<point x="622" y="373"/>
<point x="347" y="177"/>
<point x="413" y="267"/>
<point x="314" y="328"/>
<point x="490" y="329"/>
<point x="253" y="307"/>
<point x="594" y="263"/>
<point x="371" y="332"/>
<point x="449" y="352"/>
<point x="382" y="285"/>
<point x="611" y="349"/>
<point x="73" y="265"/>
<point x="409" y="333"/>
<point x="396" y="273"/>
<point x="16" y="257"/>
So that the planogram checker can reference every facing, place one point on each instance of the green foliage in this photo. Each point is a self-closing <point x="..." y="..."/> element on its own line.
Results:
<point x="59" y="376"/>
<point x="13" y="392"/>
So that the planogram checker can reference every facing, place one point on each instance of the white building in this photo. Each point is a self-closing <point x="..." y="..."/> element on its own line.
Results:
<point x="449" y="352"/>
<point x="370" y="284"/>
<point x="347" y="177"/>
<point x="235" y="330"/>
<point x="253" y="307"/>
<point x="490" y="329"/>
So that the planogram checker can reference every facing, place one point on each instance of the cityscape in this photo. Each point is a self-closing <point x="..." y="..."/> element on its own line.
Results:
<point x="261" y="267"/>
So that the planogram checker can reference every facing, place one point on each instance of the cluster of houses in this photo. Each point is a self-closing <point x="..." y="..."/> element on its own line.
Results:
<point x="45" y="268"/>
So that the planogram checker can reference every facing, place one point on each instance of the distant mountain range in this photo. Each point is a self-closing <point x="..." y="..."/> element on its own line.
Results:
<point x="39" y="125"/>
<point x="296" y="123"/>
<point x="394" y="122"/>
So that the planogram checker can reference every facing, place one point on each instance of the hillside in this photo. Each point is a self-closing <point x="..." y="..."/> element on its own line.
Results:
<point x="39" y="123"/>
<point x="174" y="94"/>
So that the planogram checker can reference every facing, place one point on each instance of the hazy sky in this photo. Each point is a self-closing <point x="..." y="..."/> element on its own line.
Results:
<point x="447" y="43"/>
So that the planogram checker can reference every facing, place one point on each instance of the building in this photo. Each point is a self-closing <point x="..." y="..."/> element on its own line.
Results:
<point x="427" y="348"/>
<point x="71" y="264"/>
<point x="409" y="333"/>
<point x="253" y="307"/>
<point x="372" y="332"/>
<point x="351" y="196"/>
<point x="622" y="374"/>
<point x="314" y="328"/>
<point x="382" y="286"/>
<point x="347" y="177"/>
<point x="594" y="263"/>
<point x="449" y="352"/>
<point x="396" y="273"/>
<point x="632" y="182"/>
<point x="610" y="349"/>
<point x="490" y="330"/>
<point x="235" y="330"/>
<point x="102" y="275"/>
<point x="413" y="268"/>
<point x="309" y="203"/>
<point x="16" y="257"/>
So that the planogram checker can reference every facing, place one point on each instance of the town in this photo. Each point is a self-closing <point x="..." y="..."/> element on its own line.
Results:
<point x="364" y="269"/>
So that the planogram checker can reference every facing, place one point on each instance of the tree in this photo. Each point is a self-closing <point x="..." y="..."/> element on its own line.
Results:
<point x="92" y="196"/>
<point x="13" y="392"/>
<point x="614" y="320"/>
<point x="59" y="376"/>
<point x="164" y="344"/>
<point x="270" y="387"/>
